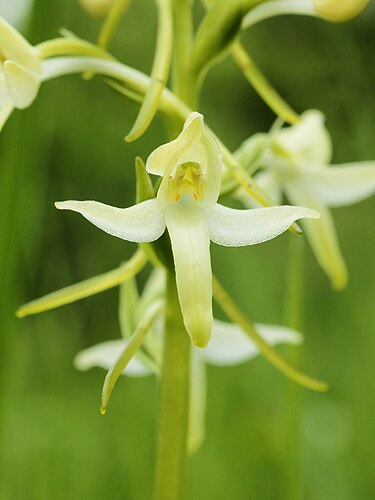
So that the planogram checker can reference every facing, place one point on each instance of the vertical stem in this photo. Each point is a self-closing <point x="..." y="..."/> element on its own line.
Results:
<point x="172" y="425"/>
<point x="294" y="319"/>
<point x="184" y="82"/>
<point x="170" y="476"/>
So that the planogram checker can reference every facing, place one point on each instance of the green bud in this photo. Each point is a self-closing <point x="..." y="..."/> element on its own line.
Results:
<point x="339" y="10"/>
<point x="144" y="189"/>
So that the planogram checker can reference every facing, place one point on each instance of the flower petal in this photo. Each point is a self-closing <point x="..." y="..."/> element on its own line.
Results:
<point x="195" y="144"/>
<point x="104" y="355"/>
<point x="234" y="228"/>
<point x="139" y="223"/>
<point x="22" y="83"/>
<point x="322" y="236"/>
<point x="6" y="109"/>
<point x="342" y="184"/>
<point x="231" y="346"/>
<point x="197" y="403"/>
<point x="188" y="230"/>
<point x="308" y="141"/>
<point x="16" y="48"/>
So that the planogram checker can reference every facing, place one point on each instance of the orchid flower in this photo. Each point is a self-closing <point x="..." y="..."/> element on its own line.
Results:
<point x="297" y="164"/>
<point x="229" y="347"/>
<point x="20" y="71"/>
<point x="330" y="10"/>
<point x="186" y="204"/>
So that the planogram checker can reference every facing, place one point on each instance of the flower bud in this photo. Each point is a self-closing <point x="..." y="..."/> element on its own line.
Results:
<point x="96" y="7"/>
<point x="339" y="10"/>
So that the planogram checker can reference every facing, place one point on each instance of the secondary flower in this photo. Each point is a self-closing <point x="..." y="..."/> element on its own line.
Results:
<point x="20" y="71"/>
<point x="330" y="10"/>
<point x="297" y="164"/>
<point x="186" y="204"/>
<point x="229" y="347"/>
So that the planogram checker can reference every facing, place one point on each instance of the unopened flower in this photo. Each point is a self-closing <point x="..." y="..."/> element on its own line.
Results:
<point x="186" y="205"/>
<point x="297" y="165"/>
<point x="330" y="10"/>
<point x="20" y="71"/>
<point x="97" y="7"/>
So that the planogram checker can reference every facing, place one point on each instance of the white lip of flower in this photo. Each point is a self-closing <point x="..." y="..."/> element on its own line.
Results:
<point x="330" y="10"/>
<point x="20" y="71"/>
<point x="186" y="205"/>
<point x="229" y="347"/>
<point x="298" y="165"/>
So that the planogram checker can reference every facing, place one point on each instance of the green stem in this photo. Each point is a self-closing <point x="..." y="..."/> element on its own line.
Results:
<point x="171" y="453"/>
<point x="111" y="22"/>
<point x="184" y="82"/>
<point x="293" y="312"/>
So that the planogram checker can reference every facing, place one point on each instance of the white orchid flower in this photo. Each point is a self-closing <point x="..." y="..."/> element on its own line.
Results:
<point x="330" y="10"/>
<point x="229" y="346"/>
<point x="298" y="166"/>
<point x="20" y="71"/>
<point x="186" y="205"/>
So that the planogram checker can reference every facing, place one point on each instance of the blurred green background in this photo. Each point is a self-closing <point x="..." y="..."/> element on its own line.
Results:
<point x="266" y="439"/>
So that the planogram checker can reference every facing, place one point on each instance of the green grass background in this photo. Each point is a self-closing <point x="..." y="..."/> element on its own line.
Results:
<point x="266" y="439"/>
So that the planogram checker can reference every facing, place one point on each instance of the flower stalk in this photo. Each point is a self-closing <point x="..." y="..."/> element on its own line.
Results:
<point x="173" y="400"/>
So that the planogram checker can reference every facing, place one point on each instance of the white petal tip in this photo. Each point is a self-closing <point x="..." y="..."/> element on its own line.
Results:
<point x="61" y="205"/>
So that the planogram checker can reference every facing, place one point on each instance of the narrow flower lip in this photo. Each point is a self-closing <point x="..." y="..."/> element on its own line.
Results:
<point x="188" y="230"/>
